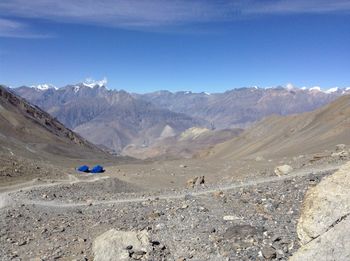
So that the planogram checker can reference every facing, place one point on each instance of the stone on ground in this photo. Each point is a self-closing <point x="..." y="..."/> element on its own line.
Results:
<point x="196" y="181"/>
<point x="115" y="245"/>
<point x="340" y="147"/>
<point x="283" y="170"/>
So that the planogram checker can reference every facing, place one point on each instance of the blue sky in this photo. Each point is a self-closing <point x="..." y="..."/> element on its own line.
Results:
<point x="149" y="45"/>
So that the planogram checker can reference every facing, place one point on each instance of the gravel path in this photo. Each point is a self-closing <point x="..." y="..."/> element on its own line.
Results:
<point x="175" y="195"/>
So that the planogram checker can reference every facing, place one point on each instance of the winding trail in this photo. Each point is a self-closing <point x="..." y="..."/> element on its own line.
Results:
<point x="5" y="195"/>
<point x="174" y="195"/>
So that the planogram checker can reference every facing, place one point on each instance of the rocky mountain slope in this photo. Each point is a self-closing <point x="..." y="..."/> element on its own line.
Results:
<point x="28" y="131"/>
<point x="23" y="123"/>
<point x="244" y="106"/>
<point x="112" y="119"/>
<point x="278" y="136"/>
<point x="31" y="140"/>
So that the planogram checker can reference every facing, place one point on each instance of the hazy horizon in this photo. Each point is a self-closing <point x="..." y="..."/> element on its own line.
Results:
<point x="109" y="87"/>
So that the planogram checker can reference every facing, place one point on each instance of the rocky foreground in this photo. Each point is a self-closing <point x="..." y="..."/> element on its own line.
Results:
<point x="257" y="222"/>
<point x="324" y="222"/>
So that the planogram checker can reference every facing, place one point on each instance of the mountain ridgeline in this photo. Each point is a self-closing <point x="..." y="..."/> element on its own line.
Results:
<point x="116" y="120"/>
<point x="244" y="106"/>
<point x="111" y="119"/>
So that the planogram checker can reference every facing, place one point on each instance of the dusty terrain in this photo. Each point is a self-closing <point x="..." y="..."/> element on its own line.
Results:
<point x="242" y="212"/>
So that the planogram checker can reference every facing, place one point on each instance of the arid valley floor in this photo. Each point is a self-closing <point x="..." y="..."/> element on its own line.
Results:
<point x="243" y="211"/>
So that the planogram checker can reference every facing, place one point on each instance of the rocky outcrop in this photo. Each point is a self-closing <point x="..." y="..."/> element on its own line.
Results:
<point x="324" y="222"/>
<point x="115" y="245"/>
<point x="195" y="182"/>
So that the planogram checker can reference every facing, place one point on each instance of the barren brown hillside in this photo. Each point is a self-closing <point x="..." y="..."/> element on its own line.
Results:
<point x="27" y="130"/>
<point x="278" y="136"/>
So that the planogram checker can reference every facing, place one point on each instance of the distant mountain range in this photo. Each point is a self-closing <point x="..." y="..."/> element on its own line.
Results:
<point x="116" y="119"/>
<point x="111" y="119"/>
<point x="244" y="106"/>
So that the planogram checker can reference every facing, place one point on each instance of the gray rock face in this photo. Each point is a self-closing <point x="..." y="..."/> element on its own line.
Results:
<point x="324" y="222"/>
<point x="115" y="245"/>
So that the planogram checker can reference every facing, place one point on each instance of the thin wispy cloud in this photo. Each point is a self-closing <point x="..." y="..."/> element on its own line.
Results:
<point x="147" y="14"/>
<point x="14" y="29"/>
<point x="299" y="7"/>
<point x="133" y="13"/>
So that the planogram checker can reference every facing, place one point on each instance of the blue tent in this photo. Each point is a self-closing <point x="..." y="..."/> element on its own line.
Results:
<point x="83" y="168"/>
<point x="97" y="169"/>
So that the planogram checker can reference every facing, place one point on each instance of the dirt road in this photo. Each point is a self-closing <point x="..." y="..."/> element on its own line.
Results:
<point x="6" y="198"/>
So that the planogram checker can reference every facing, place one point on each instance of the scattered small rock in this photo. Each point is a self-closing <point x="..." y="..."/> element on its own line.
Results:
<point x="340" y="147"/>
<point x="231" y="218"/>
<point x="283" y="170"/>
<point x="268" y="252"/>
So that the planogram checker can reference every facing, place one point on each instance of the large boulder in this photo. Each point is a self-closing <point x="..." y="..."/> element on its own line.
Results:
<point x="324" y="221"/>
<point x="115" y="245"/>
<point x="332" y="245"/>
<point x="325" y="204"/>
<point x="283" y="170"/>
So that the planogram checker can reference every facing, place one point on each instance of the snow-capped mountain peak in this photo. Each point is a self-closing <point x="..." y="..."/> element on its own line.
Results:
<point x="44" y="87"/>
<point x="316" y="88"/>
<point x="91" y="83"/>
<point x="289" y="86"/>
<point x="331" y="90"/>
